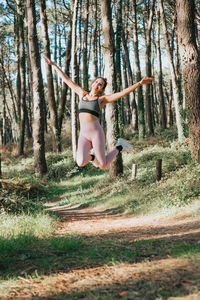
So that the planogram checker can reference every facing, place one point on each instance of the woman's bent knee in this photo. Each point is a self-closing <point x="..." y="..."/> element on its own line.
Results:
<point x="102" y="165"/>
<point x="81" y="162"/>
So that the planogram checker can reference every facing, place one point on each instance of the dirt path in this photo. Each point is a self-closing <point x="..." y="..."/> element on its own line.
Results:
<point x="122" y="257"/>
<point x="92" y="222"/>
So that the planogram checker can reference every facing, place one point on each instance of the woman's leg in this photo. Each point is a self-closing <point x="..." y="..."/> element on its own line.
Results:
<point x="84" y="147"/>
<point x="98" y="143"/>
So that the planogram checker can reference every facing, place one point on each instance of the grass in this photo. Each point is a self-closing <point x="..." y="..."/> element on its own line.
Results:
<point x="35" y="225"/>
<point x="55" y="255"/>
<point x="178" y="187"/>
<point x="68" y="184"/>
<point x="18" y="232"/>
<point x="65" y="243"/>
<point x="51" y="253"/>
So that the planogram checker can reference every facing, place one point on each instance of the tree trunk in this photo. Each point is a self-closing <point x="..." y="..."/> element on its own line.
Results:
<point x="62" y="103"/>
<point x="148" y="95"/>
<point x="170" y="120"/>
<point x="22" y="81"/>
<point x="156" y="114"/>
<point x="50" y="86"/>
<point x="179" y="119"/>
<point x="85" y="48"/>
<point x="117" y="66"/>
<point x="18" y="85"/>
<point x="116" y="166"/>
<point x="94" y="43"/>
<point x="38" y="92"/>
<point x="3" y="131"/>
<point x="73" y="67"/>
<point x="127" y="113"/>
<point x="12" y="94"/>
<point x="55" y="49"/>
<point x="28" y="112"/>
<point x="30" y="84"/>
<point x="162" y="119"/>
<point x="191" y="68"/>
<point x="130" y="99"/>
<point x="179" y="78"/>
<point x="141" y="119"/>
<point x="100" y="58"/>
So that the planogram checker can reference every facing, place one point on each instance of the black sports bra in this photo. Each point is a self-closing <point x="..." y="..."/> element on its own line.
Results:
<point x="91" y="107"/>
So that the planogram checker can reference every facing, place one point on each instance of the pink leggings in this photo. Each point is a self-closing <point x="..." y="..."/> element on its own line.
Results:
<point x="92" y="136"/>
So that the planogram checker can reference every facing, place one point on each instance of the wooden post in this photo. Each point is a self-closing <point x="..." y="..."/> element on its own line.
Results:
<point x="134" y="171"/>
<point x="158" y="169"/>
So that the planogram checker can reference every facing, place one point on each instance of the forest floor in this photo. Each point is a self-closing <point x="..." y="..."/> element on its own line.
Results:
<point x="119" y="257"/>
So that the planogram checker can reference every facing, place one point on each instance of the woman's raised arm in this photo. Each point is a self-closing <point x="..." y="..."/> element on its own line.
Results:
<point x="75" y="87"/>
<point x="128" y="90"/>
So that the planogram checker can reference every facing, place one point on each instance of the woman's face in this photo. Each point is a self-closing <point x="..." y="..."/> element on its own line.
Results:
<point x="98" y="85"/>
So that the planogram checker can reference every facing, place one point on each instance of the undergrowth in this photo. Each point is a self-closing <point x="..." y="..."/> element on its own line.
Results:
<point x="67" y="184"/>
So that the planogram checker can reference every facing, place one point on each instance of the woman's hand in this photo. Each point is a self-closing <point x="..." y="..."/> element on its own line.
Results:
<point x="146" y="80"/>
<point x="75" y="87"/>
<point x="48" y="61"/>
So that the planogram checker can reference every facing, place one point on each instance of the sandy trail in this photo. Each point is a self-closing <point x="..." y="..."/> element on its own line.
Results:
<point x="142" y="279"/>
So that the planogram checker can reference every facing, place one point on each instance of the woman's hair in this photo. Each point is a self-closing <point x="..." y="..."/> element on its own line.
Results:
<point x="104" y="80"/>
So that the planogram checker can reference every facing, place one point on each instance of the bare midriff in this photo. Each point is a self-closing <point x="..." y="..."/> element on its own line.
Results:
<point x="86" y="117"/>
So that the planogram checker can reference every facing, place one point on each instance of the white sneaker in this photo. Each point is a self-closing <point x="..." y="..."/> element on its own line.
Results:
<point x="125" y="146"/>
<point x="94" y="162"/>
<point x="92" y="151"/>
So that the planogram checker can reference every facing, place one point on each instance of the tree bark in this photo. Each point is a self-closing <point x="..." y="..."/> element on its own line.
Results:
<point x="190" y="56"/>
<point x="22" y="81"/>
<point x="170" y="120"/>
<point x="129" y="81"/>
<point x="56" y="49"/>
<point x="18" y="85"/>
<point x="85" y="47"/>
<point x="116" y="166"/>
<point x="94" y="43"/>
<point x="3" y="120"/>
<point x="127" y="110"/>
<point x="162" y="116"/>
<point x="50" y="85"/>
<point x="30" y="84"/>
<point x="63" y="99"/>
<point x="12" y="94"/>
<point x="73" y="66"/>
<point x="117" y="55"/>
<point x="38" y="92"/>
<point x="148" y="95"/>
<point x="141" y="119"/>
<point x="179" y="119"/>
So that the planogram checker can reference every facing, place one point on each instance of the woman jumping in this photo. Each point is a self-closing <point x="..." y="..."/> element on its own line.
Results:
<point x="90" y="107"/>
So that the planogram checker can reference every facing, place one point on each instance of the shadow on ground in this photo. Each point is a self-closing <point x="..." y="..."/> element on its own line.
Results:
<point x="151" y="252"/>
